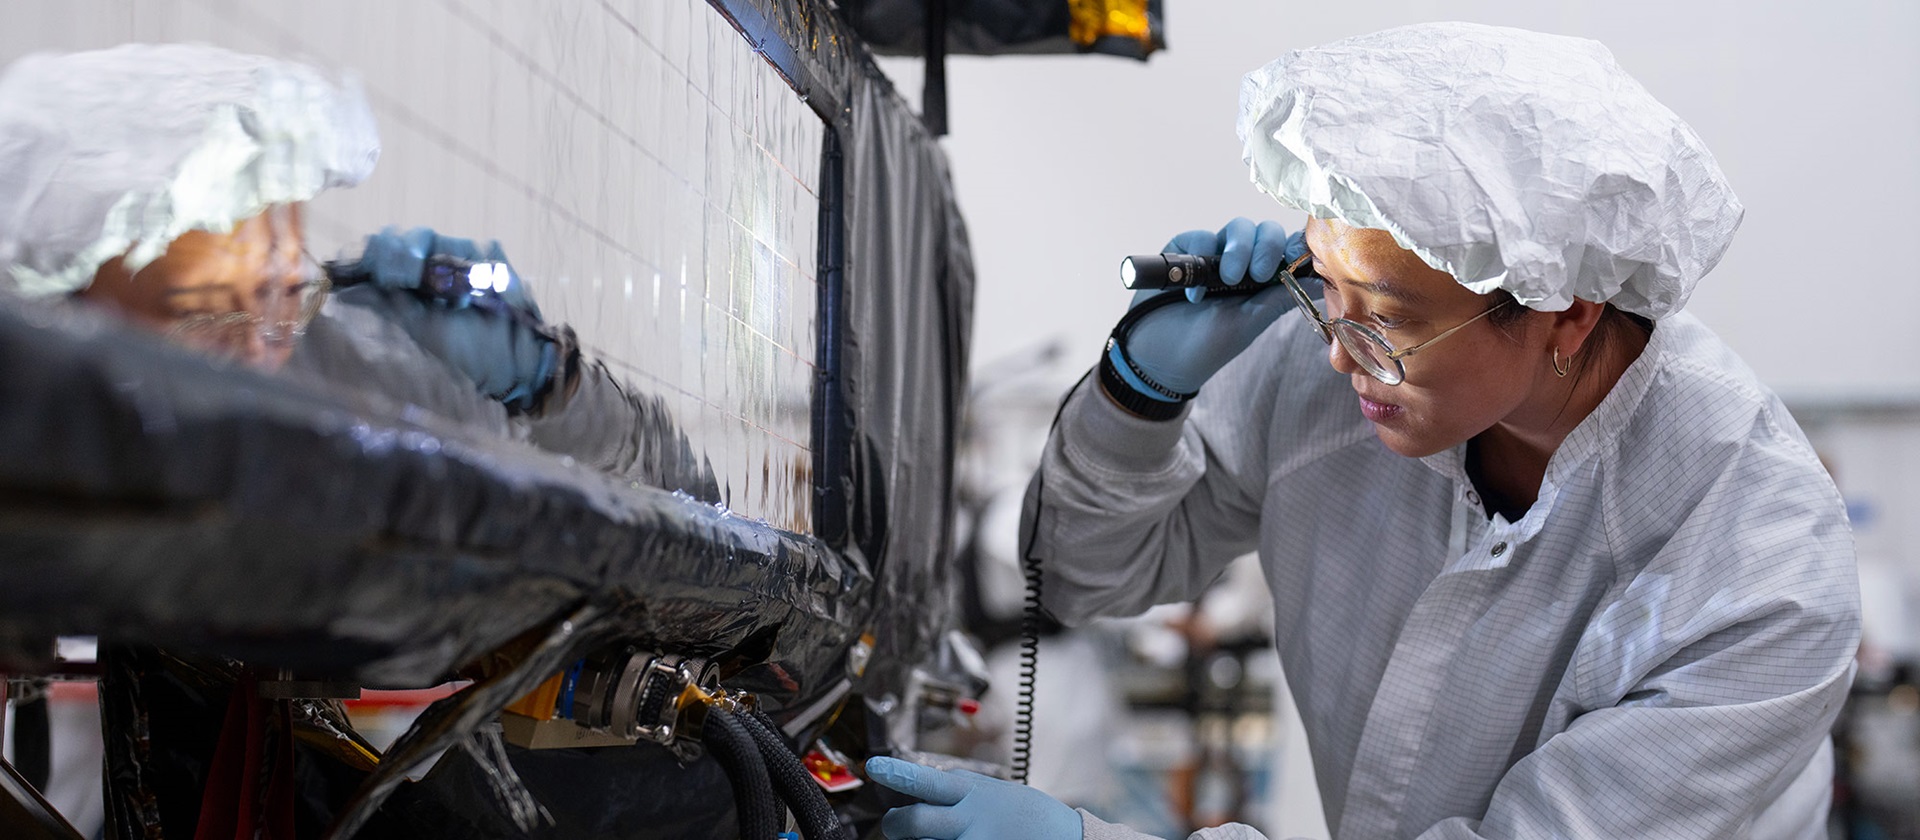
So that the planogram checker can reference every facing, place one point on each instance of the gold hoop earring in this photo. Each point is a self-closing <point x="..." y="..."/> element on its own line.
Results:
<point x="1563" y="371"/>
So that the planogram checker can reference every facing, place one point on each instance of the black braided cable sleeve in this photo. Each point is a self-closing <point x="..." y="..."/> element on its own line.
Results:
<point x="791" y="779"/>
<point x="727" y="738"/>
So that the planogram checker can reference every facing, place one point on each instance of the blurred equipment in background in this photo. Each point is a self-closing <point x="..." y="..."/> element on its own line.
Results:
<point x="1124" y="28"/>
<point x="1872" y="449"/>
<point x="935" y="28"/>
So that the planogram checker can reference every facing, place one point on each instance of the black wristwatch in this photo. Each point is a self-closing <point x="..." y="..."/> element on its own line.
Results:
<point x="1127" y="397"/>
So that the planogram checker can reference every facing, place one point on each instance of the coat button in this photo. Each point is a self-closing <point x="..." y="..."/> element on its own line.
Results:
<point x="1473" y="498"/>
<point x="1499" y="549"/>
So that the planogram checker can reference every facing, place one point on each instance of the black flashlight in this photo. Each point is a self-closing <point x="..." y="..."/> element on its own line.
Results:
<point x="444" y="279"/>
<point x="452" y="280"/>
<point x="1180" y="271"/>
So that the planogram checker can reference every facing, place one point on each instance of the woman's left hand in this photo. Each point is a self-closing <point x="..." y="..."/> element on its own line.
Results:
<point x="957" y="804"/>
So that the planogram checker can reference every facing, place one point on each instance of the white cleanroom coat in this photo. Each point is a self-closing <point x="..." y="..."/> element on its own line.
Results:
<point x="1656" y="649"/>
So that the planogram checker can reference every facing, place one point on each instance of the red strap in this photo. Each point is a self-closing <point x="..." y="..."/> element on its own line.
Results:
<point x="245" y="787"/>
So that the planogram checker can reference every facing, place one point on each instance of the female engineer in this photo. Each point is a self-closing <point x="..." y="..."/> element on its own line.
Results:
<point x="1548" y="560"/>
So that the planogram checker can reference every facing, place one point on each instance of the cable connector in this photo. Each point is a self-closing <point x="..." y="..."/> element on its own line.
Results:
<point x="639" y="694"/>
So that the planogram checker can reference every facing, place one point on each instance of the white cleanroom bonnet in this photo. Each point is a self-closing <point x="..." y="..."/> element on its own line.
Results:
<point x="1509" y="159"/>
<point x="132" y="146"/>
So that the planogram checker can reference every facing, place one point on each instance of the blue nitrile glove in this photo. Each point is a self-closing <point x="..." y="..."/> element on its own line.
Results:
<point x="1180" y="345"/>
<point x="958" y="805"/>
<point x="494" y="336"/>
<point x="396" y="260"/>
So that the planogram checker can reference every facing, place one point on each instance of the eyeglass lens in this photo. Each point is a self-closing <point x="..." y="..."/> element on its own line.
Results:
<point x="1365" y="350"/>
<point x="1368" y="352"/>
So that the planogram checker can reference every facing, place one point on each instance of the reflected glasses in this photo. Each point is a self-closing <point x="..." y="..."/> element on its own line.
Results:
<point x="1369" y="349"/>
<point x="282" y="313"/>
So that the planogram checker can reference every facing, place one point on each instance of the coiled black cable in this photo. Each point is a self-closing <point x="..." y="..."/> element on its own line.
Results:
<point x="792" y="781"/>
<point x="734" y="747"/>
<point x="1032" y="618"/>
<point x="1029" y="666"/>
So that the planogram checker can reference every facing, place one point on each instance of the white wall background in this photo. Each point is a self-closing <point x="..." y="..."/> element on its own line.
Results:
<point x="1065" y="164"/>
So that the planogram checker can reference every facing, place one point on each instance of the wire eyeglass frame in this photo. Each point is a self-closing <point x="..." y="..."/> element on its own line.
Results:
<point x="1368" y="348"/>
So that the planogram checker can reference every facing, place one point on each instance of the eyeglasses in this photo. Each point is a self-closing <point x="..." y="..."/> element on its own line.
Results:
<point x="281" y="314"/>
<point x="1367" y="348"/>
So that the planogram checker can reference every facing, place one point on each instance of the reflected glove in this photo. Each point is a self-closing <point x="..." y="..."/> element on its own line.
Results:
<point x="958" y="805"/>
<point x="1166" y="347"/>
<point x="464" y="305"/>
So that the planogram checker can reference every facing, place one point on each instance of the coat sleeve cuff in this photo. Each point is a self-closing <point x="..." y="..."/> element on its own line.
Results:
<point x="1096" y="426"/>
<point x="1094" y="828"/>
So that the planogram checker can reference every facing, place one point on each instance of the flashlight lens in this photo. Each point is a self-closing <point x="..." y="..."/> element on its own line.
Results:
<point x="1126" y="272"/>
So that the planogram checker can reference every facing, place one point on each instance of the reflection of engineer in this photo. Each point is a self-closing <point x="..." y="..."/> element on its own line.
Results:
<point x="166" y="184"/>
<point x="487" y="358"/>
<point x="1548" y="561"/>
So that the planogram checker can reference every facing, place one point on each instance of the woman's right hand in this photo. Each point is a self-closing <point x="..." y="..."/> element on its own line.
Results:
<point x="1180" y="345"/>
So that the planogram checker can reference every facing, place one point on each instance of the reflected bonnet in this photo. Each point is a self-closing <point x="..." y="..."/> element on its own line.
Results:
<point x="123" y="150"/>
